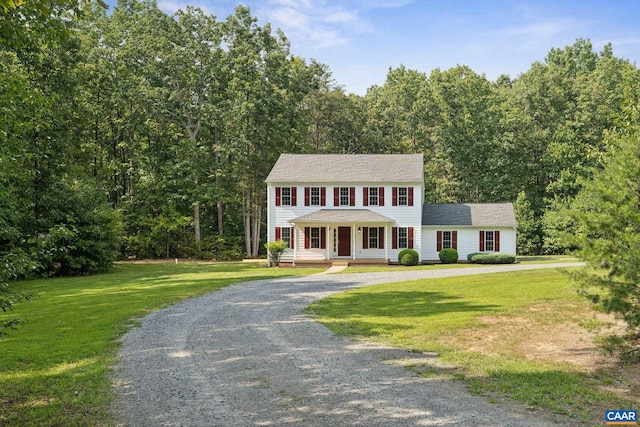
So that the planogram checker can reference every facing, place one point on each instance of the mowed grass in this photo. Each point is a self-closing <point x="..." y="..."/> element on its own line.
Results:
<point x="55" y="367"/>
<point x="543" y="259"/>
<point x="498" y="333"/>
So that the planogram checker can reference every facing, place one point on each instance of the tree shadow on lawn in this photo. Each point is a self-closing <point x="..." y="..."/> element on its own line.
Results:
<point x="398" y="304"/>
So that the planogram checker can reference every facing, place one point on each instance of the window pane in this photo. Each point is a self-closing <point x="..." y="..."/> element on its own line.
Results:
<point x="286" y="196"/>
<point x="344" y="196"/>
<point x="488" y="244"/>
<point x="402" y="237"/>
<point x="373" y="196"/>
<point x="373" y="238"/>
<point x="446" y="239"/>
<point x="315" y="196"/>
<point x="315" y="237"/>
<point x="402" y="196"/>
<point x="286" y="236"/>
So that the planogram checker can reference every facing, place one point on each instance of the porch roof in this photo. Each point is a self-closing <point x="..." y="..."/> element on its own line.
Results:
<point x="341" y="215"/>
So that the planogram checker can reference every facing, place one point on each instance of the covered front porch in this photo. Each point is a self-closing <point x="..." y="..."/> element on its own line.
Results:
<point x="330" y="235"/>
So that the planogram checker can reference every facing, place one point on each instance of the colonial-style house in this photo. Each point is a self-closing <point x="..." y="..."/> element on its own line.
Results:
<point x="370" y="207"/>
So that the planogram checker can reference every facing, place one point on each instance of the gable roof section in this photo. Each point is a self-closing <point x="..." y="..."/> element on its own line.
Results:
<point x="350" y="168"/>
<point x="473" y="214"/>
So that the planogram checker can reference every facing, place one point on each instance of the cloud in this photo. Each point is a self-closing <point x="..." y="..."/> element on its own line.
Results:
<point x="172" y="6"/>
<point x="318" y="24"/>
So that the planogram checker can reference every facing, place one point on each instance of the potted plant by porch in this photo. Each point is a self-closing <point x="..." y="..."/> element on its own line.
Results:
<point x="274" y="251"/>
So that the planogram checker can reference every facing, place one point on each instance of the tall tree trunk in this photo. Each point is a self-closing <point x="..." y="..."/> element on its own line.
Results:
<point x="257" y="219"/>
<point x="247" y="222"/>
<point x="220" y="218"/>
<point x="196" y="221"/>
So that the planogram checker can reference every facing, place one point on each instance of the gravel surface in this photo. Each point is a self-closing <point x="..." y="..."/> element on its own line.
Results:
<point x="247" y="356"/>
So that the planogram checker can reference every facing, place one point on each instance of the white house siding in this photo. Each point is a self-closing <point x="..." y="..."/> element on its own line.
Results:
<point x="468" y="240"/>
<point x="403" y="216"/>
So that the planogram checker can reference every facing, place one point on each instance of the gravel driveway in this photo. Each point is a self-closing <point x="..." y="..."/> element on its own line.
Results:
<point x="247" y="356"/>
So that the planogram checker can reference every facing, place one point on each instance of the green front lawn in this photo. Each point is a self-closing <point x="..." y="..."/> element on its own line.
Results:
<point x="55" y="367"/>
<point x="511" y="334"/>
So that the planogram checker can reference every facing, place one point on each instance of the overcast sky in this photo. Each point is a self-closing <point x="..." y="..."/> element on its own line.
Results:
<point x="360" y="39"/>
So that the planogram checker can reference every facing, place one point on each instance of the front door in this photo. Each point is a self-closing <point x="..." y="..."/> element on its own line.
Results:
<point x="344" y="241"/>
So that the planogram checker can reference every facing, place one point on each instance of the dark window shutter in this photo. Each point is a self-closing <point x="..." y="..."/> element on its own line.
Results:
<point x="307" y="237"/>
<point x="380" y="237"/>
<point x="278" y="233"/>
<point x="410" y="233"/>
<point x="336" y="196"/>
<point x="293" y="237"/>
<point x="352" y="196"/>
<point x="323" y="196"/>
<point x="496" y="241"/>
<point x="365" y="196"/>
<point x="381" y="196"/>
<point x="410" y="191"/>
<point x="365" y="237"/>
<point x="294" y="196"/>
<point x="394" y="196"/>
<point x="394" y="237"/>
<point x="323" y="238"/>
<point x="482" y="241"/>
<point x="277" y="196"/>
<point x="439" y="241"/>
<point x="307" y="190"/>
<point x="454" y="240"/>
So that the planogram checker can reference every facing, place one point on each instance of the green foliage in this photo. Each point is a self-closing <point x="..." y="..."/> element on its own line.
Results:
<point x="493" y="258"/>
<point x="448" y="256"/>
<point x="607" y="213"/>
<point x="408" y="257"/>
<point x="275" y="250"/>
<point x="529" y="234"/>
<point x="472" y="254"/>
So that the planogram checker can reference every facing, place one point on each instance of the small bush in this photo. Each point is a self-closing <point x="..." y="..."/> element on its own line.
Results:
<point x="494" y="259"/>
<point x="472" y="254"/>
<point x="408" y="257"/>
<point x="448" y="256"/>
<point x="275" y="250"/>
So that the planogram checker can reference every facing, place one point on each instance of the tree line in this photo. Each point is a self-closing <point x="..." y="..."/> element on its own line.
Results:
<point x="143" y="134"/>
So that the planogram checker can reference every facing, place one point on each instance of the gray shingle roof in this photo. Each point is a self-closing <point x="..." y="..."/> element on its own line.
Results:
<point x="475" y="214"/>
<point x="342" y="215"/>
<point x="291" y="168"/>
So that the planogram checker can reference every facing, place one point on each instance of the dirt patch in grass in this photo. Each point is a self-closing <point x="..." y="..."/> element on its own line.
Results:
<point x="566" y="342"/>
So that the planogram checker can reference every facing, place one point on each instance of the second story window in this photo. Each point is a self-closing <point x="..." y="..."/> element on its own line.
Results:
<point x="286" y="196"/>
<point x="315" y="196"/>
<point x="403" y="199"/>
<point x="373" y="196"/>
<point x="344" y="196"/>
<point x="402" y="196"/>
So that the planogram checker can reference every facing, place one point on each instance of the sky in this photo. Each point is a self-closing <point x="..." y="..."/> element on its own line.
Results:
<point x="361" y="39"/>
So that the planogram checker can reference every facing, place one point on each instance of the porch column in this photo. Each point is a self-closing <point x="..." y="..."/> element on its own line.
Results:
<point x="327" y="242"/>
<point x="296" y="233"/>
<point x="386" y="242"/>
<point x="354" y="239"/>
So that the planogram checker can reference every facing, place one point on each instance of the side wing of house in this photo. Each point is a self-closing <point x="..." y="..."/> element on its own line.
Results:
<point x="468" y="228"/>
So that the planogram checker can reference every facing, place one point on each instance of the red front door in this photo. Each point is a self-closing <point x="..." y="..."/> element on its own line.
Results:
<point x="344" y="241"/>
